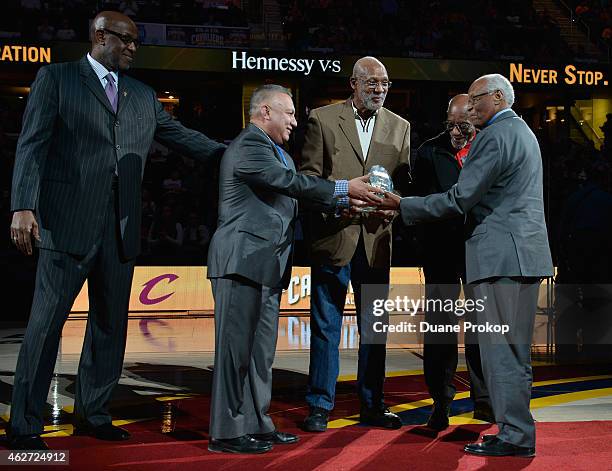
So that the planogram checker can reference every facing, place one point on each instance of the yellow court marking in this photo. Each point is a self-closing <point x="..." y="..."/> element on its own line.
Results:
<point x="569" y="397"/>
<point x="391" y="374"/>
<point x="175" y="397"/>
<point x="66" y="430"/>
<point x="465" y="418"/>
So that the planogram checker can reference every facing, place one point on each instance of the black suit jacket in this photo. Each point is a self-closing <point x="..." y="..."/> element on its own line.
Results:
<point x="70" y="145"/>
<point x="257" y="210"/>
<point x="436" y="170"/>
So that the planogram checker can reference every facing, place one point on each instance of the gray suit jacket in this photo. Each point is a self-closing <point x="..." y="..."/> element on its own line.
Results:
<point x="499" y="192"/>
<point x="257" y="210"/>
<point x="70" y="145"/>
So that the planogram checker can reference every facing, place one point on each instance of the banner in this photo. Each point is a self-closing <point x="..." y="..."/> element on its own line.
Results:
<point x="163" y="289"/>
<point x="193" y="35"/>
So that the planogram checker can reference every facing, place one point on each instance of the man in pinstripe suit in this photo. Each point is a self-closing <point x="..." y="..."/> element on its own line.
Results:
<point x="76" y="189"/>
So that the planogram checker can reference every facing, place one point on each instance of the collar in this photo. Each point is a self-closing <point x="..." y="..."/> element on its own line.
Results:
<point x="496" y="115"/>
<point x="100" y="70"/>
<point x="265" y="134"/>
<point x="365" y="123"/>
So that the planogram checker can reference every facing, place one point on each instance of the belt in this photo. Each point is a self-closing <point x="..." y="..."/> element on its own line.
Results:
<point x="356" y="220"/>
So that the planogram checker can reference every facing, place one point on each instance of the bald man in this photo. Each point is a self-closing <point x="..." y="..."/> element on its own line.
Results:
<point x="80" y="158"/>
<point x="436" y="169"/>
<point x="344" y="141"/>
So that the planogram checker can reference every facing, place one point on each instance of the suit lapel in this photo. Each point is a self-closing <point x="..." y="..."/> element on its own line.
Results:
<point x="379" y="137"/>
<point x="93" y="83"/>
<point x="274" y="148"/>
<point x="125" y="94"/>
<point x="347" y="125"/>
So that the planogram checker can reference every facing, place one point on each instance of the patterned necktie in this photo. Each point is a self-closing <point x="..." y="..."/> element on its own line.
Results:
<point x="111" y="91"/>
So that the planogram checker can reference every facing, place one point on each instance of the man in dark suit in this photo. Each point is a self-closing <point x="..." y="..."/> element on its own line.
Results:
<point x="436" y="169"/>
<point x="249" y="263"/>
<point x="500" y="193"/>
<point x="80" y="158"/>
<point x="345" y="140"/>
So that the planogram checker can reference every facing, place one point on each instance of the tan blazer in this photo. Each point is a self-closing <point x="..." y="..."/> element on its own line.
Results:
<point x="332" y="150"/>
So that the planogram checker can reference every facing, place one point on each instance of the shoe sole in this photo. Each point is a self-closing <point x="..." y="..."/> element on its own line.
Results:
<point x="315" y="429"/>
<point x="215" y="449"/>
<point x="517" y="455"/>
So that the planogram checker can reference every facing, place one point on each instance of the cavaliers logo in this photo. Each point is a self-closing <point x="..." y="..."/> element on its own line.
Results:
<point x="149" y="285"/>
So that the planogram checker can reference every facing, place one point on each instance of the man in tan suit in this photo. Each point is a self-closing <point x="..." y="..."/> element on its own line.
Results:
<point x="344" y="141"/>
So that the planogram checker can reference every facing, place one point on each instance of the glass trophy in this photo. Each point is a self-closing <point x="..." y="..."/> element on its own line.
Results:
<point x="379" y="178"/>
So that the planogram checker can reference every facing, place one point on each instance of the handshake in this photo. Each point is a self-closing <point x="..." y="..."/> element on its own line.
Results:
<point x="372" y="196"/>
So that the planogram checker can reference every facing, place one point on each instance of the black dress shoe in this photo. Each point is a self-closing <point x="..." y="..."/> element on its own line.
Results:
<point x="276" y="437"/>
<point x="497" y="447"/>
<point x="316" y="420"/>
<point x="380" y="417"/>
<point x="486" y="437"/>
<point x="107" y="432"/>
<point x="245" y="444"/>
<point x="438" y="420"/>
<point x="27" y="442"/>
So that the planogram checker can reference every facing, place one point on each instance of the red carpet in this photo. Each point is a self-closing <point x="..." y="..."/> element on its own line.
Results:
<point x="561" y="446"/>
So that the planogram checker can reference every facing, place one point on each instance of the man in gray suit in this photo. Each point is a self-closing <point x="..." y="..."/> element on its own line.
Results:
<point x="249" y="263"/>
<point x="78" y="170"/>
<point x="499" y="192"/>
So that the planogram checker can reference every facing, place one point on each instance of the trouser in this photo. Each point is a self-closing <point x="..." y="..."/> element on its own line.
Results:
<point x="59" y="279"/>
<point x="329" y="288"/>
<point x="246" y="328"/>
<point x="440" y="350"/>
<point x="506" y="358"/>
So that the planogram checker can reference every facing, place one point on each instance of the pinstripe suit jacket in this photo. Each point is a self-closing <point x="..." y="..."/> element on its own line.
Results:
<point x="70" y="145"/>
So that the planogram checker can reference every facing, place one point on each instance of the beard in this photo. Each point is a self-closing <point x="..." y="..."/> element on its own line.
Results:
<point x="459" y="143"/>
<point x="368" y="100"/>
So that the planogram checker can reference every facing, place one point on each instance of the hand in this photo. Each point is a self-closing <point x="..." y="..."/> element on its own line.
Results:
<point x="356" y="205"/>
<point x="23" y="227"/>
<point x="391" y="201"/>
<point x="386" y="215"/>
<point x="360" y="189"/>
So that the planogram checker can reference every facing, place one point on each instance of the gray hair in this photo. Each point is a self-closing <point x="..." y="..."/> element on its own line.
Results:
<point x="263" y="94"/>
<point x="499" y="82"/>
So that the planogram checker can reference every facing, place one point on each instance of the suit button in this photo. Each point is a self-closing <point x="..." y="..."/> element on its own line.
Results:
<point x="116" y="124"/>
<point x="118" y="147"/>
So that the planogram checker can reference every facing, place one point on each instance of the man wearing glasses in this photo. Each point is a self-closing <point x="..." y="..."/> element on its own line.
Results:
<point x="86" y="134"/>
<point x="436" y="169"/>
<point x="500" y="194"/>
<point x="344" y="141"/>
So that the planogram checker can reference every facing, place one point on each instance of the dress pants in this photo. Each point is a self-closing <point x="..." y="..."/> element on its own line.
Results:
<point x="329" y="289"/>
<point x="246" y="328"/>
<point x="59" y="279"/>
<point x="440" y="350"/>
<point x="506" y="359"/>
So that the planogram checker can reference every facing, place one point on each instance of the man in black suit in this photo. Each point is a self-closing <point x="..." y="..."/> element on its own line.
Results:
<point x="436" y="170"/>
<point x="80" y="158"/>
<point x="249" y="262"/>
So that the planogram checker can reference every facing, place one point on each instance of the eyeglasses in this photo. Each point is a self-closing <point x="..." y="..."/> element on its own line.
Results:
<point x="125" y="38"/>
<point x="476" y="98"/>
<point x="373" y="84"/>
<point x="464" y="127"/>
